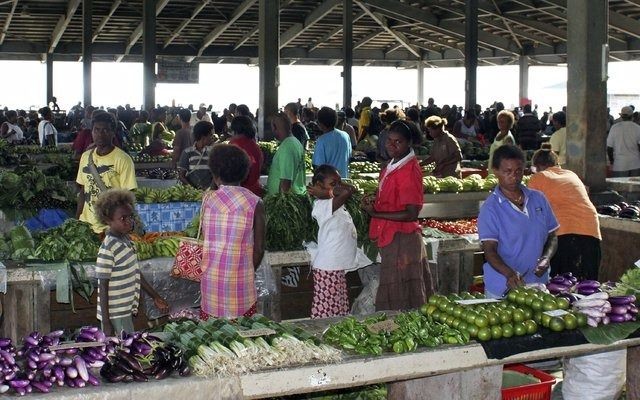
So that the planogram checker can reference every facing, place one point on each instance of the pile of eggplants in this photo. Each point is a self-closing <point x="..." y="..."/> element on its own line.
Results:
<point x="141" y="356"/>
<point x="623" y="308"/>
<point x="35" y="366"/>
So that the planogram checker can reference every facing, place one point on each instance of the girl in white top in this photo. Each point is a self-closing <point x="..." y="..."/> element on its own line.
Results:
<point x="505" y="120"/>
<point x="337" y="243"/>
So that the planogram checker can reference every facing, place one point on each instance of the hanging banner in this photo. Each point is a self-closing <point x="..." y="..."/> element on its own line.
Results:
<point x="178" y="72"/>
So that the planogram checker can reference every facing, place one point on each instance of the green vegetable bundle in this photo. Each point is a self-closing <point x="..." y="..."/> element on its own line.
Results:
<point x="413" y="330"/>
<point x="289" y="222"/>
<point x="217" y="348"/>
<point x="72" y="241"/>
<point x="361" y="220"/>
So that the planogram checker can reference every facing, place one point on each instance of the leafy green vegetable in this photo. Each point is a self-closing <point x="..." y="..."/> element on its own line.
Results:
<point x="21" y="238"/>
<point x="607" y="334"/>
<point x="629" y="283"/>
<point x="289" y="221"/>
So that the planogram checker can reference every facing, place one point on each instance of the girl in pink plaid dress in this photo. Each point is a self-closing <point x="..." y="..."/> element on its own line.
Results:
<point x="233" y="226"/>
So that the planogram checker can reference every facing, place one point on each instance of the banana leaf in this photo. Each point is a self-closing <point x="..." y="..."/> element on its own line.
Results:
<point x="607" y="334"/>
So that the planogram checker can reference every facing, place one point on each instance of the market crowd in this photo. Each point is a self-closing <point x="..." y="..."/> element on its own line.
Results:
<point x="525" y="231"/>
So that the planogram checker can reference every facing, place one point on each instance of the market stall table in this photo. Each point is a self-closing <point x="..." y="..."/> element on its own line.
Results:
<point x="458" y="372"/>
<point x="620" y="250"/>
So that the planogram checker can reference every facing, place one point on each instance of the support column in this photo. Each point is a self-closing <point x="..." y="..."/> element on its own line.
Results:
<point x="587" y="91"/>
<point x="149" y="54"/>
<point x="49" y="68"/>
<point x="420" y="68"/>
<point x="268" y="60"/>
<point x="470" y="52"/>
<point x="523" y="83"/>
<point x="347" y="49"/>
<point x="87" y="49"/>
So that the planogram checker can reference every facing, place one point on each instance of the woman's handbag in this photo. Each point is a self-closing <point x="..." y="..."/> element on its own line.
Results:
<point x="188" y="261"/>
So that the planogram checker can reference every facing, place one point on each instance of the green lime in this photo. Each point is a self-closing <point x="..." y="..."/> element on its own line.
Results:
<point x="557" y="324"/>
<point x="570" y="321"/>
<point x="484" y="334"/>
<point x="531" y="326"/>
<point x="481" y="321"/>
<point x="496" y="332"/>
<point x="507" y="330"/>
<point x="519" y="329"/>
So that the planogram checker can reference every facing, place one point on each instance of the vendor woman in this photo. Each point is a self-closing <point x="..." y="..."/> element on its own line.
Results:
<point x="517" y="228"/>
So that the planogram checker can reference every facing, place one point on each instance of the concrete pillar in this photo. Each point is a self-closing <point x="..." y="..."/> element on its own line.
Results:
<point x="149" y="54"/>
<point x="587" y="91"/>
<point x="49" y="72"/>
<point x="87" y="50"/>
<point x="347" y="50"/>
<point x="420" y="68"/>
<point x="523" y="82"/>
<point x="470" y="52"/>
<point x="268" y="60"/>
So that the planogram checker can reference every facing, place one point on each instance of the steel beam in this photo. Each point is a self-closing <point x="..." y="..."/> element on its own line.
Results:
<point x="105" y="19"/>
<point x="137" y="32"/>
<point x="87" y="50"/>
<point x="382" y="21"/>
<point x="347" y="48"/>
<point x="404" y="11"/>
<point x="523" y="79"/>
<point x="587" y="91"/>
<point x="7" y="21"/>
<point x="149" y="14"/>
<point x="49" y="74"/>
<point x="312" y="18"/>
<point x="367" y="38"/>
<point x="219" y="30"/>
<point x="269" y="60"/>
<point x="176" y="32"/>
<point x="62" y="24"/>
<point x="333" y="32"/>
<point x="471" y="52"/>
<point x="245" y="38"/>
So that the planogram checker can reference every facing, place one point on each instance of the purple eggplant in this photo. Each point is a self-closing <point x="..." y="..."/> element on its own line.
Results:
<point x="5" y="342"/>
<point x="19" y="383"/>
<point x="81" y="366"/>
<point x="32" y="364"/>
<point x="588" y="290"/>
<point x="46" y="357"/>
<point x="70" y="382"/>
<point x="588" y="283"/>
<point x="10" y="376"/>
<point x="86" y="337"/>
<point x="41" y="387"/>
<point x="556" y="288"/>
<point x="30" y="341"/>
<point x="55" y="334"/>
<point x="92" y="329"/>
<point x="21" y="391"/>
<point x="58" y="372"/>
<point x="616" y="318"/>
<point x="65" y="361"/>
<point x="633" y="309"/>
<point x="7" y="357"/>
<point x="80" y="382"/>
<point x="93" y="380"/>
<point x="619" y="310"/>
<point x="72" y="372"/>
<point x="622" y="300"/>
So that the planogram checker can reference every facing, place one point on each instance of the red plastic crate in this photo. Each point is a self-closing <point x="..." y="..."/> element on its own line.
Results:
<point x="535" y="391"/>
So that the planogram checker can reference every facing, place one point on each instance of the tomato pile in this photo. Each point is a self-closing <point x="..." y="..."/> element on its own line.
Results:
<point x="458" y="227"/>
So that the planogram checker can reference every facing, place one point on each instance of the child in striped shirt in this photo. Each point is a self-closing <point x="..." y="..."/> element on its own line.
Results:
<point x="117" y="269"/>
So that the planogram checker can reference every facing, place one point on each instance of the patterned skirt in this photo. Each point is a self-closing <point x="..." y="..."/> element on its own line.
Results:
<point x="330" y="294"/>
<point x="249" y="313"/>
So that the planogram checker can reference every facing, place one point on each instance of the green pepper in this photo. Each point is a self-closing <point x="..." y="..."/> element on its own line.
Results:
<point x="398" y="347"/>
<point x="410" y="344"/>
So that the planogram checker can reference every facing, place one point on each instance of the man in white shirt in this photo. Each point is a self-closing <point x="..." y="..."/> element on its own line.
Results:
<point x="200" y="115"/>
<point x="623" y="145"/>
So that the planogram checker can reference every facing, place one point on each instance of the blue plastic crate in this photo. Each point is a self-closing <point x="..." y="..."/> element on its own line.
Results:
<point x="163" y="217"/>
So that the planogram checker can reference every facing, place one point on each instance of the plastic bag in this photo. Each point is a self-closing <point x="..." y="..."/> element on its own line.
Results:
<point x="599" y="376"/>
<point x="265" y="280"/>
<point x="365" y="303"/>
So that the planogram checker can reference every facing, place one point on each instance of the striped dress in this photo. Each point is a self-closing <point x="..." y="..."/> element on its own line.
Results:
<point x="117" y="262"/>
<point x="227" y="283"/>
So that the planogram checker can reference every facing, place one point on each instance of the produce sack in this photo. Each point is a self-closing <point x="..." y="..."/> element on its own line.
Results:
<point x="188" y="261"/>
<point x="596" y="376"/>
